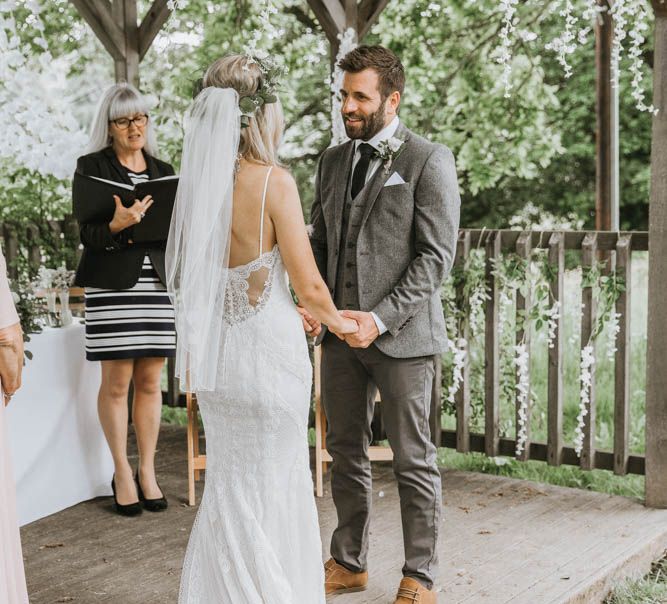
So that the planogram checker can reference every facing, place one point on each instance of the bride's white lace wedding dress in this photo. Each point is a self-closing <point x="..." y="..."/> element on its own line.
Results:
<point x="256" y="537"/>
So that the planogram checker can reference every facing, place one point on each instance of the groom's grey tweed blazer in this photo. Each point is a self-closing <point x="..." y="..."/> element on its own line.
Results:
<point x="406" y="243"/>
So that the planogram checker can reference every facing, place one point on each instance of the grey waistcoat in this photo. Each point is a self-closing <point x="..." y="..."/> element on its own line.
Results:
<point x="346" y="293"/>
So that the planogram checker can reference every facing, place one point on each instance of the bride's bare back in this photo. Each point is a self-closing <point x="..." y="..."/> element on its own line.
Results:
<point x="246" y="214"/>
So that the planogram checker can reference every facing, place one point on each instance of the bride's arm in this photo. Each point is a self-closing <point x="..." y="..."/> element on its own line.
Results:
<point x="284" y="208"/>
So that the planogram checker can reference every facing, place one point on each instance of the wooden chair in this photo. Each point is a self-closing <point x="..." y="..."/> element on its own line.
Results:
<point x="196" y="461"/>
<point x="375" y="452"/>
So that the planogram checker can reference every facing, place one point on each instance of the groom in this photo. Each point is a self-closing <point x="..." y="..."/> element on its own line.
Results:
<point x="385" y="222"/>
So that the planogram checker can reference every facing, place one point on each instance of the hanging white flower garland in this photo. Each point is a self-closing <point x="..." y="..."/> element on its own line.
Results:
<point x="348" y="42"/>
<point x="630" y="18"/>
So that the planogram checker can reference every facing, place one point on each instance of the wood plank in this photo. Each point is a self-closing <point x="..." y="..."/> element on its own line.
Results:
<point x="97" y="13"/>
<point x="496" y="531"/>
<point x="492" y="350"/>
<point x="555" y="387"/>
<point x="656" y="376"/>
<point x="606" y="240"/>
<point x="622" y="358"/>
<point x="369" y="13"/>
<point x="152" y="23"/>
<point x="606" y="138"/>
<point x="588" y="260"/>
<point x="462" y="397"/>
<point x="604" y="460"/>
<point x="12" y="250"/>
<point x="332" y="23"/>
<point x="523" y="304"/>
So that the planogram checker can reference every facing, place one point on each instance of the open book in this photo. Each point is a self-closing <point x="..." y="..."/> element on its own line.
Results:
<point x="92" y="201"/>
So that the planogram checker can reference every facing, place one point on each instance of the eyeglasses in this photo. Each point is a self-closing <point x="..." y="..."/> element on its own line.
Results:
<point x="123" y="123"/>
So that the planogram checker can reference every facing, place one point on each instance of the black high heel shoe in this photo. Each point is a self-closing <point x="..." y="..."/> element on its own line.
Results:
<point x="151" y="505"/>
<point x="131" y="509"/>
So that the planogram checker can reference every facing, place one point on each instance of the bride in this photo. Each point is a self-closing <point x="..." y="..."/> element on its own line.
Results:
<point x="237" y="229"/>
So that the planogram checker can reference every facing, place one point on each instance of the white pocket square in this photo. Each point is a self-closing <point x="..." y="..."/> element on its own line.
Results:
<point x="394" y="179"/>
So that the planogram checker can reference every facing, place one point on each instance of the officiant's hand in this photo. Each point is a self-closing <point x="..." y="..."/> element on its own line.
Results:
<point x="310" y="324"/>
<point x="126" y="217"/>
<point x="11" y="360"/>
<point x="368" y="329"/>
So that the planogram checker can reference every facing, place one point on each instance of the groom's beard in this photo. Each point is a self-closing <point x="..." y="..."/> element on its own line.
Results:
<point x="369" y="125"/>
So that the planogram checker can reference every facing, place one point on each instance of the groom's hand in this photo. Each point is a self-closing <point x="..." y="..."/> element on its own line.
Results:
<point x="310" y="324"/>
<point x="368" y="329"/>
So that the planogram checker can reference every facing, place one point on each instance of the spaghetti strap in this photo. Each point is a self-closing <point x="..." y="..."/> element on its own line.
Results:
<point x="261" y="217"/>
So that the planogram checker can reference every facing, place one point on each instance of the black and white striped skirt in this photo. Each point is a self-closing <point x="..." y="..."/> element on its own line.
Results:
<point x="131" y="323"/>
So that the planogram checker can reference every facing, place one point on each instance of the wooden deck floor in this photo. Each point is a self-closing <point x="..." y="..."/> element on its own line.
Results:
<point x="503" y="540"/>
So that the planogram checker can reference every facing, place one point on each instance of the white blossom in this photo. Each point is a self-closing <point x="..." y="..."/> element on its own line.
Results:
<point x="348" y="42"/>
<point x="586" y="382"/>
<point x="521" y="361"/>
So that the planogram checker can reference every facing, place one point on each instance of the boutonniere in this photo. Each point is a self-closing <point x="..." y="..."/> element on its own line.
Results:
<point x="389" y="150"/>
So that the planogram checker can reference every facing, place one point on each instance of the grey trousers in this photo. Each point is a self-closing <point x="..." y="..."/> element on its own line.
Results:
<point x="350" y="380"/>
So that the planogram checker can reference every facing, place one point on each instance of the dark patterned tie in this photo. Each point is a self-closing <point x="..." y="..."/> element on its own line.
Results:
<point x="361" y="169"/>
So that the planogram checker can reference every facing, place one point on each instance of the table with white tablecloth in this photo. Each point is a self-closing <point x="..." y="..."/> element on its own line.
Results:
<point x="59" y="453"/>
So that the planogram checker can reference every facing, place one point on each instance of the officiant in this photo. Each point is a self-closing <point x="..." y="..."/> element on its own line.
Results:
<point x="129" y="316"/>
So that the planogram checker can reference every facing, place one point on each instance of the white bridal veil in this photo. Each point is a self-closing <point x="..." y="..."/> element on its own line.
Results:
<point x="198" y="246"/>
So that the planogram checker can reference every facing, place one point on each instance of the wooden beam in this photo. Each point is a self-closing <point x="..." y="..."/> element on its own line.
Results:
<point x="151" y="25"/>
<point x="98" y="15"/>
<point x="351" y="15"/>
<point x="125" y="15"/>
<point x="605" y="135"/>
<point x="331" y="16"/>
<point x="656" y="376"/>
<point x="369" y="13"/>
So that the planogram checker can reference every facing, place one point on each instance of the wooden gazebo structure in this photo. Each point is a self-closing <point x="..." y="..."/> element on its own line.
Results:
<point x="116" y="25"/>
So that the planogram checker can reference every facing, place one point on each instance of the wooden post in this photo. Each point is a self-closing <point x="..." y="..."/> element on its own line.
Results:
<point x="115" y="24"/>
<point x="492" y="351"/>
<point x="523" y="304"/>
<point x="656" y="375"/>
<point x="589" y="249"/>
<point x="462" y="398"/>
<point x="555" y="371"/>
<point x="125" y="15"/>
<point x="606" y="133"/>
<point x="622" y="363"/>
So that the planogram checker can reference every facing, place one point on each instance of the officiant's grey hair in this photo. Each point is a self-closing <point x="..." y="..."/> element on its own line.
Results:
<point x="119" y="100"/>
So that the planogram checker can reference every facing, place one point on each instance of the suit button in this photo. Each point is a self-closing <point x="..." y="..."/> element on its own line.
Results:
<point x="350" y="264"/>
<point x="350" y="246"/>
<point x="336" y="253"/>
<point x="348" y="285"/>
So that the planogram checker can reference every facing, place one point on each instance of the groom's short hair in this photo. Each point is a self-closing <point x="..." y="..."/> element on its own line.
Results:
<point x="387" y="65"/>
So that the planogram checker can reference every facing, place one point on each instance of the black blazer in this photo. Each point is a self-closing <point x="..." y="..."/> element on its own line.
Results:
<point x="109" y="261"/>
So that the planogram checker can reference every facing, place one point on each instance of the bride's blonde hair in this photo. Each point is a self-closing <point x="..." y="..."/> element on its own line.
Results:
<point x="261" y="139"/>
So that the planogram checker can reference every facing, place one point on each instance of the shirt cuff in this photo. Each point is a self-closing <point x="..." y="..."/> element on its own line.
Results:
<point x="382" y="328"/>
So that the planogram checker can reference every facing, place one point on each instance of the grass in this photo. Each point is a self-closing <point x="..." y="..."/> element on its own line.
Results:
<point x="651" y="589"/>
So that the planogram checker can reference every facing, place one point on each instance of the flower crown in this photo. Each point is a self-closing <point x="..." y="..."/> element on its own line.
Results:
<point x="265" y="94"/>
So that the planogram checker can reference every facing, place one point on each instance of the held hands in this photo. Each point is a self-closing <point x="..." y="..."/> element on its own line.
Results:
<point x="125" y="217"/>
<point x="310" y="324"/>
<point x="11" y="360"/>
<point x="367" y="332"/>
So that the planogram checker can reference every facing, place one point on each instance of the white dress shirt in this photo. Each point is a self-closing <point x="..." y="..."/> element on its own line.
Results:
<point x="385" y="134"/>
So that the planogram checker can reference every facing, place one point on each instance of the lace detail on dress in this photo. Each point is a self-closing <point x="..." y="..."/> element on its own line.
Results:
<point x="249" y="287"/>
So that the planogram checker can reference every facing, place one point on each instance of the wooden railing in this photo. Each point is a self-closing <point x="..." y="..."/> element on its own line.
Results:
<point x="24" y="241"/>
<point x="617" y="248"/>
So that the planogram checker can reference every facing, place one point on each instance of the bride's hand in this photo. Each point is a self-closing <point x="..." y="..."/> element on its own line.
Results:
<point x="345" y="328"/>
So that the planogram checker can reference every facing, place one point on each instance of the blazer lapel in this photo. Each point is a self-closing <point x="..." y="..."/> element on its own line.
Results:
<point x="116" y="166"/>
<point x="153" y="171"/>
<point x="381" y="175"/>
<point x="340" y="186"/>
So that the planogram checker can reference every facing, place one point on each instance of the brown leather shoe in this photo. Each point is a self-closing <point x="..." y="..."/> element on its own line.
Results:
<point x="413" y="592"/>
<point x="339" y="580"/>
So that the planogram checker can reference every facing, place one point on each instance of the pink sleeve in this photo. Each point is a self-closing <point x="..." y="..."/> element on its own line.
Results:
<point x="8" y="314"/>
